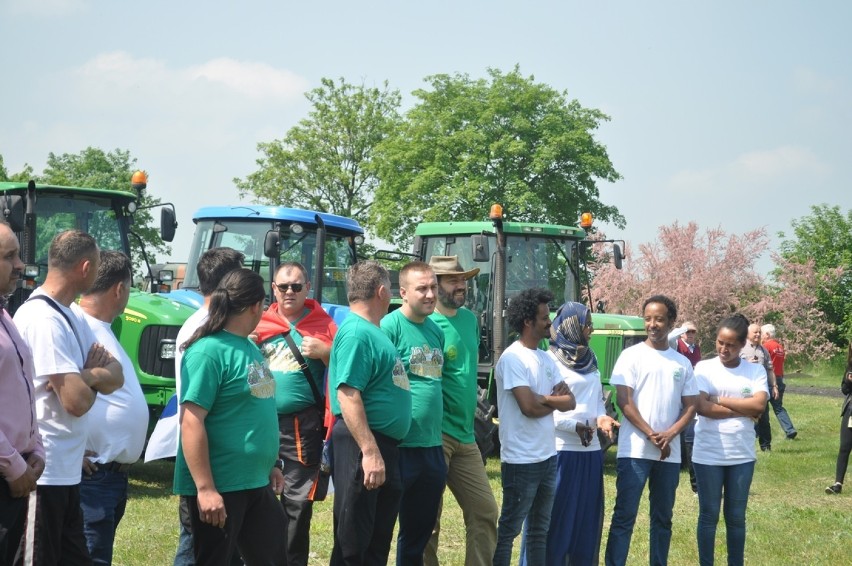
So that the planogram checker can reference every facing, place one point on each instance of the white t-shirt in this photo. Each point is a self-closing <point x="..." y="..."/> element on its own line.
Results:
<point x="588" y="393"/>
<point x="186" y="331"/>
<point x="524" y="440"/>
<point x="56" y="350"/>
<point x="659" y="379"/>
<point x="727" y="442"/>
<point x="118" y="422"/>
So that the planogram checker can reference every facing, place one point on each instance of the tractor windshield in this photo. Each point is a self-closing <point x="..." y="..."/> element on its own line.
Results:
<point x="103" y="218"/>
<point x="549" y="263"/>
<point x="531" y="261"/>
<point x="247" y="237"/>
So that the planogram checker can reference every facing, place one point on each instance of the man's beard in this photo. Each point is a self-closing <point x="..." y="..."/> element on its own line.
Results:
<point x="449" y="301"/>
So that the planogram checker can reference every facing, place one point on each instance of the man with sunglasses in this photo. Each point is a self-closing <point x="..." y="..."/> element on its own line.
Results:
<point x="294" y="331"/>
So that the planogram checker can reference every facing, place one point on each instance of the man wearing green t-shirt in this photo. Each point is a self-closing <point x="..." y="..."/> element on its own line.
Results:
<point x="370" y="394"/>
<point x="300" y="403"/>
<point x="466" y="475"/>
<point x="420" y="344"/>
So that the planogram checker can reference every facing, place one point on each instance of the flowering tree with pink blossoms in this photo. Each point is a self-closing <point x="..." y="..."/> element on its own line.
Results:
<point x="710" y="275"/>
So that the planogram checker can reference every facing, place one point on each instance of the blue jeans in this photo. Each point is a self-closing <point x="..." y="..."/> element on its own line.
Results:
<point x="103" y="499"/>
<point x="662" y="478"/>
<point x="528" y="491"/>
<point x="780" y="411"/>
<point x="736" y="481"/>
<point x="424" y="475"/>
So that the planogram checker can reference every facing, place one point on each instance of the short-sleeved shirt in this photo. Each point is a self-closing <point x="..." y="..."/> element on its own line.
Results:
<point x="227" y="375"/>
<point x="364" y="358"/>
<point x="659" y="379"/>
<point x="461" y="357"/>
<point x="730" y="441"/>
<point x="57" y="349"/>
<point x="292" y="390"/>
<point x="119" y="421"/>
<point x="523" y="439"/>
<point x="421" y="348"/>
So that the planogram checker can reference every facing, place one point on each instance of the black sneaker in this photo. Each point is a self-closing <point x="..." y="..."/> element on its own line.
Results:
<point x="792" y="435"/>
<point x="834" y="489"/>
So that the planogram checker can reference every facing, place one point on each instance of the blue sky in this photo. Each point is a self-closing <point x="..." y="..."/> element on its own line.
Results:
<point x="731" y="114"/>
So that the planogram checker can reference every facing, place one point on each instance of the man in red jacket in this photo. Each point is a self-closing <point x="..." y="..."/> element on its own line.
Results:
<point x="776" y="353"/>
<point x="299" y="394"/>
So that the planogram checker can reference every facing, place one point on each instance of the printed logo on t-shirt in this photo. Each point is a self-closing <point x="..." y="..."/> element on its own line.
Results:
<point x="452" y="353"/>
<point x="279" y="357"/>
<point x="678" y="374"/>
<point x="400" y="376"/>
<point x="260" y="380"/>
<point x="425" y="361"/>
<point x="746" y="392"/>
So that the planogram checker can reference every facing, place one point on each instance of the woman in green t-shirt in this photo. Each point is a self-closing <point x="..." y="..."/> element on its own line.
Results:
<point x="227" y="465"/>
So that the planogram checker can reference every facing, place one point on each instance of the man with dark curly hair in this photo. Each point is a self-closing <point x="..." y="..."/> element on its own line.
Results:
<point x="529" y="389"/>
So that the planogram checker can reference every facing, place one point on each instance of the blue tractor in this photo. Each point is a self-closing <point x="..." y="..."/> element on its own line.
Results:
<point x="268" y="235"/>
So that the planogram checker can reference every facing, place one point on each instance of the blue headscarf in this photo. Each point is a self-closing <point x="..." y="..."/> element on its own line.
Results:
<point x="568" y="341"/>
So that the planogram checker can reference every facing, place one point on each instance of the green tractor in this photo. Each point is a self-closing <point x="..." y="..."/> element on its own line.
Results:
<point x="513" y="256"/>
<point x="149" y="325"/>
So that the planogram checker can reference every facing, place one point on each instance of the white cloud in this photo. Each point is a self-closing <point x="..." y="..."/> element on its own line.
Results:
<point x="255" y="80"/>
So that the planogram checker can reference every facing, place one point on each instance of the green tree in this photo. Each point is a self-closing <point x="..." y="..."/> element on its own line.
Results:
<point x="825" y="237"/>
<point x="469" y="143"/>
<point x="94" y="168"/>
<point x="323" y="163"/>
<point x="20" y="177"/>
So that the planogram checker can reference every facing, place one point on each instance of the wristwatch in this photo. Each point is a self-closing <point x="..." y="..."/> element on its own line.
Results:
<point x="279" y="463"/>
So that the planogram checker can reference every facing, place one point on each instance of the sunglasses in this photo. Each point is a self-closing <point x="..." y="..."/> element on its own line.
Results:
<point x="297" y="287"/>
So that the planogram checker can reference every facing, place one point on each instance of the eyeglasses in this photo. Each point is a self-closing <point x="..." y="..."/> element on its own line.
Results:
<point x="691" y="331"/>
<point x="297" y="287"/>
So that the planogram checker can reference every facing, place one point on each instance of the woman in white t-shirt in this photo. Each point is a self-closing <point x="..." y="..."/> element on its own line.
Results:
<point x="732" y="394"/>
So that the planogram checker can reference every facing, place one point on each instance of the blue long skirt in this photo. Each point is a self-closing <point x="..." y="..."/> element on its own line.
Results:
<point x="576" y="521"/>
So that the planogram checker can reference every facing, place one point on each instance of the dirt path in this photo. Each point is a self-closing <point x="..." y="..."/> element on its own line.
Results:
<point x="804" y="389"/>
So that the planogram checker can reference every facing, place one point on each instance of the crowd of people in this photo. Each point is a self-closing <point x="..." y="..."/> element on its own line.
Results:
<point x="266" y="393"/>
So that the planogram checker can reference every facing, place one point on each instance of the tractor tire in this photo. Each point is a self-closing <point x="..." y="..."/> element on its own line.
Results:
<point x="484" y="428"/>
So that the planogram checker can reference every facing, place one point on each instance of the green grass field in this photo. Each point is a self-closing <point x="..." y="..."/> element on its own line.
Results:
<point x="791" y="521"/>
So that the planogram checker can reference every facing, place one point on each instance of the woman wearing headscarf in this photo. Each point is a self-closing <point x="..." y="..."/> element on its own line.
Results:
<point x="577" y="516"/>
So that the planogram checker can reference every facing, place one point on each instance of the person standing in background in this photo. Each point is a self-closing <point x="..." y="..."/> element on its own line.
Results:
<point x="777" y="355"/>
<point x="755" y="353"/>
<point x="845" y="428"/>
<point x="687" y="346"/>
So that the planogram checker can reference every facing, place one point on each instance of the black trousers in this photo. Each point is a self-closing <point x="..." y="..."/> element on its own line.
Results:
<point x="845" y="447"/>
<point x="13" y="517"/>
<point x="57" y="525"/>
<point x="363" y="519"/>
<point x="254" y="526"/>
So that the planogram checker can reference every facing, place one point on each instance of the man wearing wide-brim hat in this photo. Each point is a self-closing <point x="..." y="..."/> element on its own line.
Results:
<point x="466" y="475"/>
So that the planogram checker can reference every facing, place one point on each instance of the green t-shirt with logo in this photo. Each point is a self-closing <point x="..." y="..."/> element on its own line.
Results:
<point x="363" y="358"/>
<point x="292" y="390"/>
<point x="421" y="348"/>
<point x="227" y="375"/>
<point x="461" y="357"/>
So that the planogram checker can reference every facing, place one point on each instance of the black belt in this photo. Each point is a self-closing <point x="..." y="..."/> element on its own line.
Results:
<point x="114" y="467"/>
